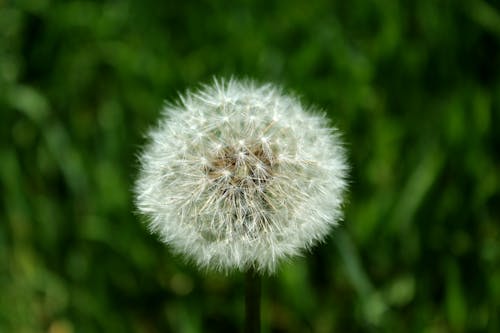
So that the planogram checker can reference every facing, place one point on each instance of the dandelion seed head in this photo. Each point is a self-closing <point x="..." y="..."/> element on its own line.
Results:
<point x="239" y="175"/>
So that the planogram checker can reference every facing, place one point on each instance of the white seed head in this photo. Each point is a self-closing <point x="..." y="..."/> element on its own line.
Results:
<point x="238" y="175"/>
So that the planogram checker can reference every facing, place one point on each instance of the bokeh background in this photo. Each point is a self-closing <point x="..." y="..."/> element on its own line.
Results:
<point x="414" y="86"/>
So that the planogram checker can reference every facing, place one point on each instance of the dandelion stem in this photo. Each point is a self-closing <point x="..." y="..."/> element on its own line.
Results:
<point x="252" y="301"/>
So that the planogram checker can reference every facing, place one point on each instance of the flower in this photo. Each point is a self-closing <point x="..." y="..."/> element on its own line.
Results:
<point x="239" y="175"/>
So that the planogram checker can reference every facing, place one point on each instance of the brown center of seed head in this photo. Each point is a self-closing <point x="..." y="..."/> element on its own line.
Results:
<point x="243" y="167"/>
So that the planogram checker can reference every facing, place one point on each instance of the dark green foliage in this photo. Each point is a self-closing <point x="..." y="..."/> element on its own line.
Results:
<point x="414" y="86"/>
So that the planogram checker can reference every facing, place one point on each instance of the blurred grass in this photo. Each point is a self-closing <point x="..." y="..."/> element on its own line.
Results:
<point x="415" y="87"/>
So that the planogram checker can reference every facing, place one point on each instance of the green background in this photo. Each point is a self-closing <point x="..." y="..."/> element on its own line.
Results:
<point x="413" y="85"/>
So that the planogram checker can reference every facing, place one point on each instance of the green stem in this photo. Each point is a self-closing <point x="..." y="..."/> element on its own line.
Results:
<point x="252" y="302"/>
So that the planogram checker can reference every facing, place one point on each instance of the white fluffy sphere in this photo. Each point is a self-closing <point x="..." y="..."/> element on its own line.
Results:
<point x="239" y="175"/>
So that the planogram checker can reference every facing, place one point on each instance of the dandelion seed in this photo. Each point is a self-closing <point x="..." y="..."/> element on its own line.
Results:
<point x="241" y="176"/>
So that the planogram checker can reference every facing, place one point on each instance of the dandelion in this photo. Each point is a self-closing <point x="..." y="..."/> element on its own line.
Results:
<point x="241" y="176"/>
